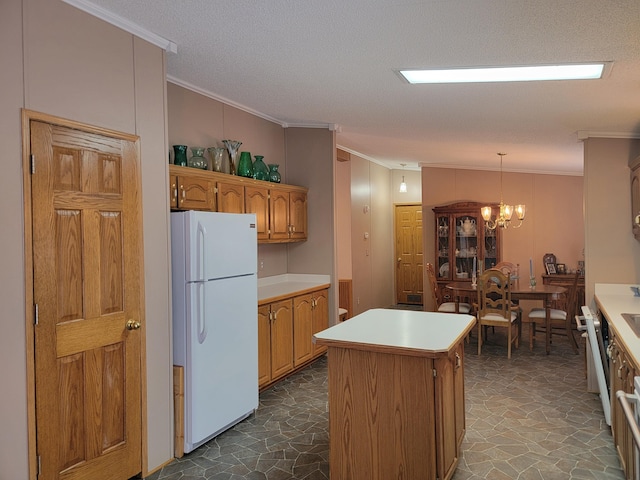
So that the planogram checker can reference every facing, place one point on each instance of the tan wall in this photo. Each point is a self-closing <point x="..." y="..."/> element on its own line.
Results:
<point x="343" y="219"/>
<point x="612" y="253"/>
<point x="372" y="257"/>
<point x="554" y="212"/>
<point x="80" y="68"/>
<point x="197" y="120"/>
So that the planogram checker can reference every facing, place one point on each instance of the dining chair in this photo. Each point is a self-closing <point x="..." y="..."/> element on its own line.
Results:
<point x="495" y="308"/>
<point x="561" y="320"/>
<point x="443" y="307"/>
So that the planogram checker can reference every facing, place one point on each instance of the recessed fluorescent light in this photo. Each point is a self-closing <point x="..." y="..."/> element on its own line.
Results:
<point x="506" y="74"/>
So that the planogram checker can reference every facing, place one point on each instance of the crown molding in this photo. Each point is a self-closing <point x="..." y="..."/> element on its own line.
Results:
<point x="124" y="24"/>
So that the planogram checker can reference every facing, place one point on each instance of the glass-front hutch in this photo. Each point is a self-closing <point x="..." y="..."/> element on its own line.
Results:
<point x="463" y="243"/>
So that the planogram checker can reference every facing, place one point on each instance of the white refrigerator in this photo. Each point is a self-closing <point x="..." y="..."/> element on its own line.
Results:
<point x="215" y="319"/>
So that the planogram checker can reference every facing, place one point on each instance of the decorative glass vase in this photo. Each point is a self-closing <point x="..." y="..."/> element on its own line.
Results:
<point x="180" y="155"/>
<point x="274" y="174"/>
<point x="232" y="148"/>
<point x="260" y="170"/>
<point x="216" y="155"/>
<point x="245" y="167"/>
<point x="197" y="160"/>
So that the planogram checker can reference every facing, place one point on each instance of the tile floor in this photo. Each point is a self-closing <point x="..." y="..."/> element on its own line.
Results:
<point x="528" y="418"/>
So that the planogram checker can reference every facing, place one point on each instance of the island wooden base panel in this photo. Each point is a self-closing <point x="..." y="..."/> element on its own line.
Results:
<point x="382" y="418"/>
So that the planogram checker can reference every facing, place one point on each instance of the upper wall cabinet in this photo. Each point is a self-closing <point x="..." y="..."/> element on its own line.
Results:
<point x="634" y="165"/>
<point x="281" y="210"/>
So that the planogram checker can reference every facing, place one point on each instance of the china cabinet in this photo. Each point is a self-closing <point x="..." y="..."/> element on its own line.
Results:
<point x="463" y="242"/>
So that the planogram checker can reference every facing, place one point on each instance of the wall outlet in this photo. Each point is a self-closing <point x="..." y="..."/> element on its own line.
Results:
<point x="261" y="264"/>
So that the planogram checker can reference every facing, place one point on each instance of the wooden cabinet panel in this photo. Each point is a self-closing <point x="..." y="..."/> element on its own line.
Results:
<point x="230" y="198"/>
<point x="320" y="318"/>
<point x="256" y="200"/>
<point x="302" y="329"/>
<point x="298" y="215"/>
<point x="173" y="191"/>
<point x="264" y="344"/>
<point x="279" y="214"/>
<point x="195" y="194"/>
<point x="281" y="338"/>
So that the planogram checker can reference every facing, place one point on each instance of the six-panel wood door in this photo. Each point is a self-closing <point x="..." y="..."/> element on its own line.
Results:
<point x="409" y="254"/>
<point x="87" y="273"/>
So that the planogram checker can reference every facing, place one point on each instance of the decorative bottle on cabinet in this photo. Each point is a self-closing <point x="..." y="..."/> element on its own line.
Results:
<point x="245" y="167"/>
<point x="260" y="170"/>
<point x="180" y="155"/>
<point x="274" y="174"/>
<point x="197" y="160"/>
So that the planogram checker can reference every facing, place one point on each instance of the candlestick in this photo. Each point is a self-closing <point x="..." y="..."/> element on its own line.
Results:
<point x="530" y="267"/>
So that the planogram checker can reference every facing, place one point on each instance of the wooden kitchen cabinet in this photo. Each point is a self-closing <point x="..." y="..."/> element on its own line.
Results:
<point x="191" y="192"/>
<point x="622" y="372"/>
<point x="230" y="198"/>
<point x="281" y="210"/>
<point x="256" y="200"/>
<point x="275" y="340"/>
<point x="634" y="165"/>
<point x="310" y="316"/>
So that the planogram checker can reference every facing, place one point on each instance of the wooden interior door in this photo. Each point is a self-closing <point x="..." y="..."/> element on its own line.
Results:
<point x="409" y="254"/>
<point x="88" y="291"/>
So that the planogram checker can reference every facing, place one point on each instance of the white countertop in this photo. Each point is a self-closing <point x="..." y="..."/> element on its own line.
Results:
<point x="401" y="329"/>
<point x="289" y="283"/>
<point x="614" y="300"/>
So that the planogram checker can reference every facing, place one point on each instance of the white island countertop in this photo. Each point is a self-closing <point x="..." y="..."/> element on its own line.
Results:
<point x="399" y="331"/>
<point x="613" y="300"/>
<point x="276" y="287"/>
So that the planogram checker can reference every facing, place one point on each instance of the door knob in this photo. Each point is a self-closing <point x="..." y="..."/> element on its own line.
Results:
<point x="133" y="325"/>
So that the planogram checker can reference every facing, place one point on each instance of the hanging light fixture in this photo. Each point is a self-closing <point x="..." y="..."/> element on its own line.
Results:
<point x="503" y="220"/>
<point x="403" y="185"/>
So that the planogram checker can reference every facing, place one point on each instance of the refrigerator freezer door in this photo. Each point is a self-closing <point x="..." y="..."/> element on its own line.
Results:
<point x="221" y="375"/>
<point x="221" y="245"/>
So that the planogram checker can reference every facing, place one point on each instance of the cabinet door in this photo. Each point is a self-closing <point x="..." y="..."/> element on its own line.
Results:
<point x="466" y="245"/>
<point x="281" y="338"/>
<point x="173" y="191"/>
<point x="195" y="194"/>
<point x="320" y="318"/>
<point x="256" y="200"/>
<point x="298" y="215"/>
<point x="443" y="261"/>
<point x="446" y="441"/>
<point x="302" y="329"/>
<point x="458" y="386"/>
<point x="230" y="198"/>
<point x="264" y="345"/>
<point x="279" y="215"/>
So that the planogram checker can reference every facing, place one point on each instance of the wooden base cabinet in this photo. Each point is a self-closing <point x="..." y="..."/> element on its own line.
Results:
<point x="310" y="316"/>
<point x="396" y="407"/>
<point x="623" y="370"/>
<point x="275" y="340"/>
<point x="285" y="334"/>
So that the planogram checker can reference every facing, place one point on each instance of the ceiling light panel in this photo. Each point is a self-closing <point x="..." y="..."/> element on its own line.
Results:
<point x="585" y="71"/>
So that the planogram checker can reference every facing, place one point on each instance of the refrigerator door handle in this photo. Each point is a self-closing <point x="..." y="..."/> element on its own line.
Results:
<point x="201" y="324"/>
<point x="201" y="237"/>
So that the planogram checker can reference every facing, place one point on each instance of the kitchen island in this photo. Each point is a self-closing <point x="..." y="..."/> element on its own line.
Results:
<point x="396" y="394"/>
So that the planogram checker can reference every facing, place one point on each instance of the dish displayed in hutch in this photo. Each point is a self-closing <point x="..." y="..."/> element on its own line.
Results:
<point x="463" y="242"/>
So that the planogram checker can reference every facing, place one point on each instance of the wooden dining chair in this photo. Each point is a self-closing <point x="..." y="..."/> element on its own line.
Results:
<point x="443" y="307"/>
<point x="495" y="308"/>
<point x="561" y="320"/>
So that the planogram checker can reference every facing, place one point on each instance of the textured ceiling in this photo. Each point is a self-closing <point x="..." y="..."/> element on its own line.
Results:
<point x="333" y="63"/>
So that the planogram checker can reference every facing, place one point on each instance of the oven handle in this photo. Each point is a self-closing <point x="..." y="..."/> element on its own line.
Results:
<point x="624" y="399"/>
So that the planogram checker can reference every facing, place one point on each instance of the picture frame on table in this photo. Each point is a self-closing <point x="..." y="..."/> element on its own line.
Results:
<point x="551" y="268"/>
<point x="561" y="268"/>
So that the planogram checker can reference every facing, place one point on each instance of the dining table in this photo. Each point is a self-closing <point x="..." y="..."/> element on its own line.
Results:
<point x="544" y="293"/>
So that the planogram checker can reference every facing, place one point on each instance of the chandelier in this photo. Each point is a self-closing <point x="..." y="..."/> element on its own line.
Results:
<point x="503" y="220"/>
